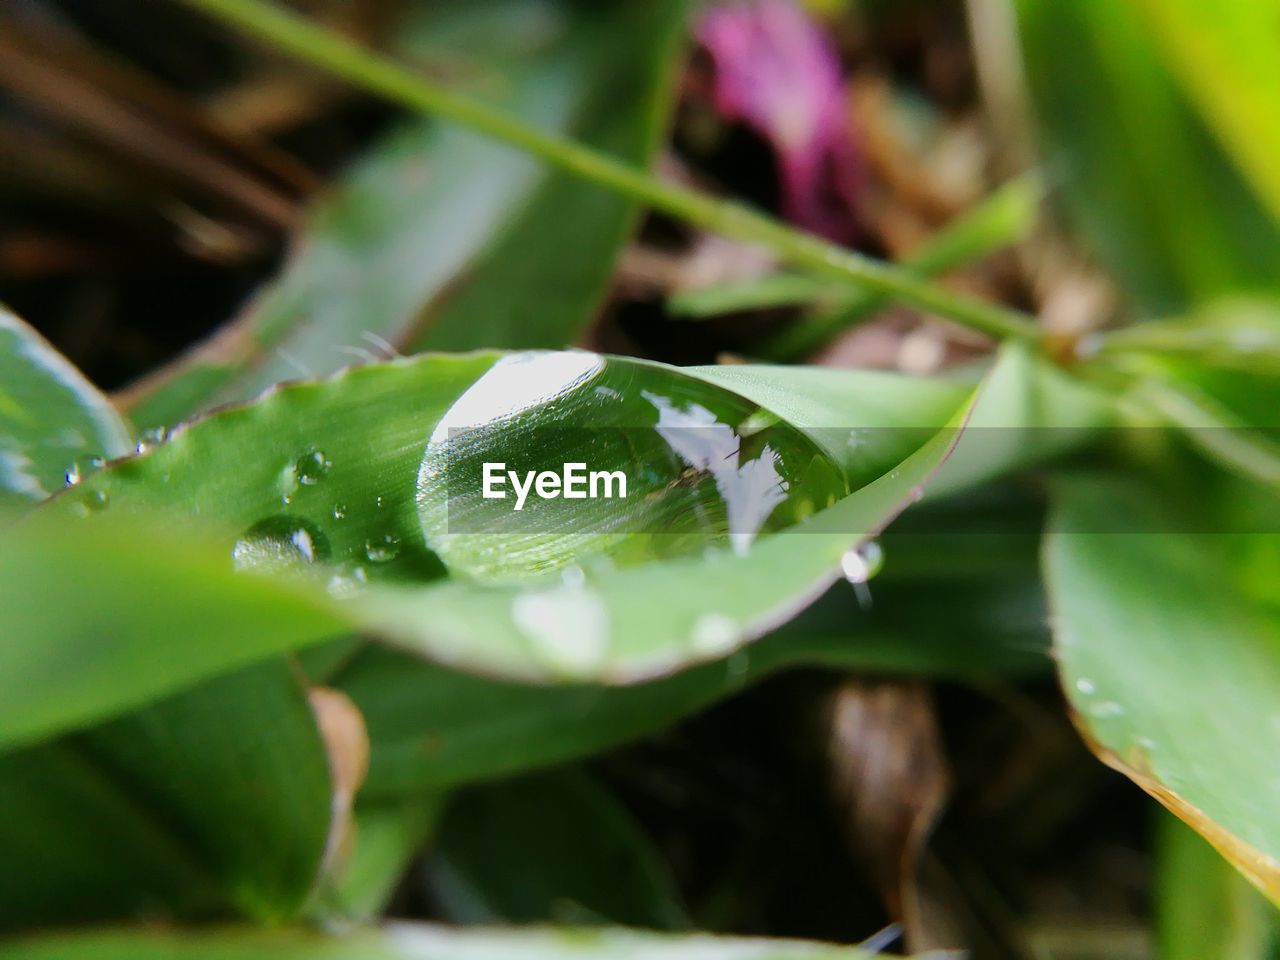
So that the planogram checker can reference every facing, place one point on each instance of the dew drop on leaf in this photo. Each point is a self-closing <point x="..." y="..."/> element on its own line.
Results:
<point x="862" y="562"/>
<point x="383" y="548"/>
<point x="307" y="470"/>
<point x="150" y="439"/>
<point x="568" y="626"/>
<point x="312" y="467"/>
<point x="715" y="634"/>
<point x="278" y="543"/>
<point x="704" y="468"/>
<point x="92" y="501"/>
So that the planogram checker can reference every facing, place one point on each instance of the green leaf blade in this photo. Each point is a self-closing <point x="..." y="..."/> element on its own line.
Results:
<point x="50" y="416"/>
<point x="1170" y="655"/>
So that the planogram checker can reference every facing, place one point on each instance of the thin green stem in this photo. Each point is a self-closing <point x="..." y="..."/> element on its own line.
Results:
<point x="368" y="70"/>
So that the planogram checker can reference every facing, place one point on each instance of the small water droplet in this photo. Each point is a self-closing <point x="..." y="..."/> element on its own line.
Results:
<point x="382" y="549"/>
<point x="278" y="543"/>
<point x="342" y="585"/>
<point x="862" y="562"/>
<point x="339" y="511"/>
<point x="1086" y="686"/>
<point x="715" y="634"/>
<point x="90" y="502"/>
<point x="1105" y="709"/>
<point x="148" y="440"/>
<point x="312" y="467"/>
<point x="82" y="468"/>
<point x="377" y="502"/>
<point x="569" y="628"/>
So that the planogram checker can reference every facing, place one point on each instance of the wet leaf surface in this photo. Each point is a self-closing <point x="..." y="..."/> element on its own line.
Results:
<point x="1167" y="634"/>
<point x="308" y="485"/>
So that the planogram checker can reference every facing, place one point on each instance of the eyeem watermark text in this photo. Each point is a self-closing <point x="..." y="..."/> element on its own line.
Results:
<point x="574" y="482"/>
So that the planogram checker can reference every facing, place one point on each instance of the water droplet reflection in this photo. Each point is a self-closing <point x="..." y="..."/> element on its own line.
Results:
<point x="705" y="468"/>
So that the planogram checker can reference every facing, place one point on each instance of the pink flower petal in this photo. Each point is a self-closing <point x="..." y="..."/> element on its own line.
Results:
<point x="778" y="73"/>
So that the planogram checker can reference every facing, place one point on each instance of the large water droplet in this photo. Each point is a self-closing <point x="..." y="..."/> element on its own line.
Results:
<point x="148" y="440"/>
<point x="704" y="468"/>
<point x="279" y="543"/>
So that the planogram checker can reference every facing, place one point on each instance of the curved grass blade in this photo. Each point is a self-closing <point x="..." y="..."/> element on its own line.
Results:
<point x="50" y="416"/>
<point x="1029" y="412"/>
<point x="612" y="629"/>
<point x="406" y="941"/>
<point x="413" y="246"/>
<point x="304" y="477"/>
<point x="1167" y="634"/>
